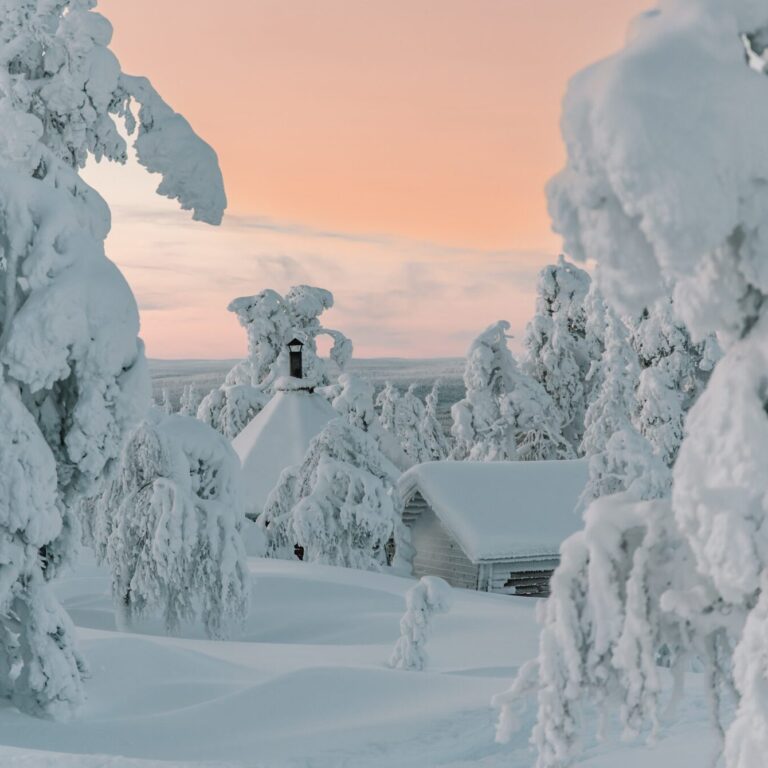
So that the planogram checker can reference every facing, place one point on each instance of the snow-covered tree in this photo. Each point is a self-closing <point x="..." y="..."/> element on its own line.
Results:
<point x="431" y="595"/>
<point x="73" y="379"/>
<point x="230" y="408"/>
<point x="386" y="402"/>
<point x="431" y="429"/>
<point x="505" y="414"/>
<point x="166" y="403"/>
<point x="675" y="371"/>
<point x="190" y="400"/>
<point x="271" y="321"/>
<point x="340" y="506"/>
<point x="354" y="401"/>
<point x="637" y="196"/>
<point x="620" y="458"/>
<point x="410" y="420"/>
<point x="172" y="518"/>
<point x="557" y="355"/>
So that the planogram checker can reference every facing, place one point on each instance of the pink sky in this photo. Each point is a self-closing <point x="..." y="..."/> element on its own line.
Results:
<point x="392" y="151"/>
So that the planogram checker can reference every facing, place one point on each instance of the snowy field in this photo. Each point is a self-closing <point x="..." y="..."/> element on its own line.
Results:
<point x="306" y="685"/>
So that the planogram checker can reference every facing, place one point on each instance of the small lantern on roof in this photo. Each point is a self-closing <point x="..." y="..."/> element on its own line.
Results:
<point x="294" y="347"/>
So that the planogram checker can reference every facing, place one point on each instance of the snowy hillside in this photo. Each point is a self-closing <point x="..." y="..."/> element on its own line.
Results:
<point x="305" y="685"/>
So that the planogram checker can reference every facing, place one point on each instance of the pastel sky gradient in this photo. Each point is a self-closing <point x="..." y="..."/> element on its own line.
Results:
<point x="392" y="151"/>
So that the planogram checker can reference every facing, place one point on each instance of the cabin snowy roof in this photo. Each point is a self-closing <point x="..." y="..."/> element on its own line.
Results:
<point x="278" y="437"/>
<point x="502" y="509"/>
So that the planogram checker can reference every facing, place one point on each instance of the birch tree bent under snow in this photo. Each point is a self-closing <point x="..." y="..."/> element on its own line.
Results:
<point x="73" y="378"/>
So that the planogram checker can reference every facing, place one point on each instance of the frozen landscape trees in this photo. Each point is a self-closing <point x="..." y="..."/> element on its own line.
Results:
<point x="170" y="526"/>
<point x="637" y="196"/>
<point x="72" y="372"/>
<point x="271" y="321"/>
<point x="505" y="415"/>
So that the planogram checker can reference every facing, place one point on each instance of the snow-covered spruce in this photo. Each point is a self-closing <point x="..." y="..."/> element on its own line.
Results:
<point x="620" y="458"/>
<point x="354" y="401"/>
<point x="505" y="414"/>
<point x="432" y="435"/>
<point x="557" y="354"/>
<point x="604" y="631"/>
<point x="386" y="402"/>
<point x="230" y="408"/>
<point x="340" y="506"/>
<point x="636" y="196"/>
<point x="190" y="400"/>
<point x="172" y="518"/>
<point x="674" y="372"/>
<point x="271" y="321"/>
<point x="431" y="595"/>
<point x="73" y="379"/>
<point x="166" y="404"/>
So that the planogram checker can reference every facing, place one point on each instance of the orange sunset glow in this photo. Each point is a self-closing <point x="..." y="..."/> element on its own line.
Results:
<point x="393" y="152"/>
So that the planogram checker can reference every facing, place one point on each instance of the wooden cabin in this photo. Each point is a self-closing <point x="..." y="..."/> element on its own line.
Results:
<point x="492" y="526"/>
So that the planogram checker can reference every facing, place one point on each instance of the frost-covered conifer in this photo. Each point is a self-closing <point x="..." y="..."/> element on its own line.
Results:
<point x="387" y="402"/>
<point x="675" y="371"/>
<point x="410" y="420"/>
<point x="190" y="400"/>
<point x="166" y="403"/>
<point x="620" y="458"/>
<point x="230" y="408"/>
<point x="431" y="429"/>
<point x="431" y="595"/>
<point x="340" y="505"/>
<point x="557" y="355"/>
<point x="172" y="518"/>
<point x="505" y="414"/>
<point x="271" y="321"/>
<point x="637" y="197"/>
<point x="73" y="377"/>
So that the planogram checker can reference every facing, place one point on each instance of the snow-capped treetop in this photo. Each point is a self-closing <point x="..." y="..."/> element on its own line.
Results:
<point x="271" y="321"/>
<point x="505" y="414"/>
<point x="557" y="355"/>
<point x="635" y="194"/>
<point x="355" y="401"/>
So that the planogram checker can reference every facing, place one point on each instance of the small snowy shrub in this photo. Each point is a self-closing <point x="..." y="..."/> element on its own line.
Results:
<point x="340" y="506"/>
<point x="430" y="596"/>
<point x="173" y="520"/>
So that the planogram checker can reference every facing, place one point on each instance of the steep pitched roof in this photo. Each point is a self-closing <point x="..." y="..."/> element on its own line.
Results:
<point x="278" y="437"/>
<point x="503" y="509"/>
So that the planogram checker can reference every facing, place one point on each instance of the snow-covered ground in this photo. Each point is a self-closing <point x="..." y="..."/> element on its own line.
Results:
<point x="307" y="685"/>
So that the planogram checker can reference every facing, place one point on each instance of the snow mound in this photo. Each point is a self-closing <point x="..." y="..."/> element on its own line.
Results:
<point x="502" y="509"/>
<point x="278" y="438"/>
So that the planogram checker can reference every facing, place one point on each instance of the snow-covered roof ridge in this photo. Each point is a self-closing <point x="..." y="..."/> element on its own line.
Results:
<point x="277" y="438"/>
<point x="502" y="509"/>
